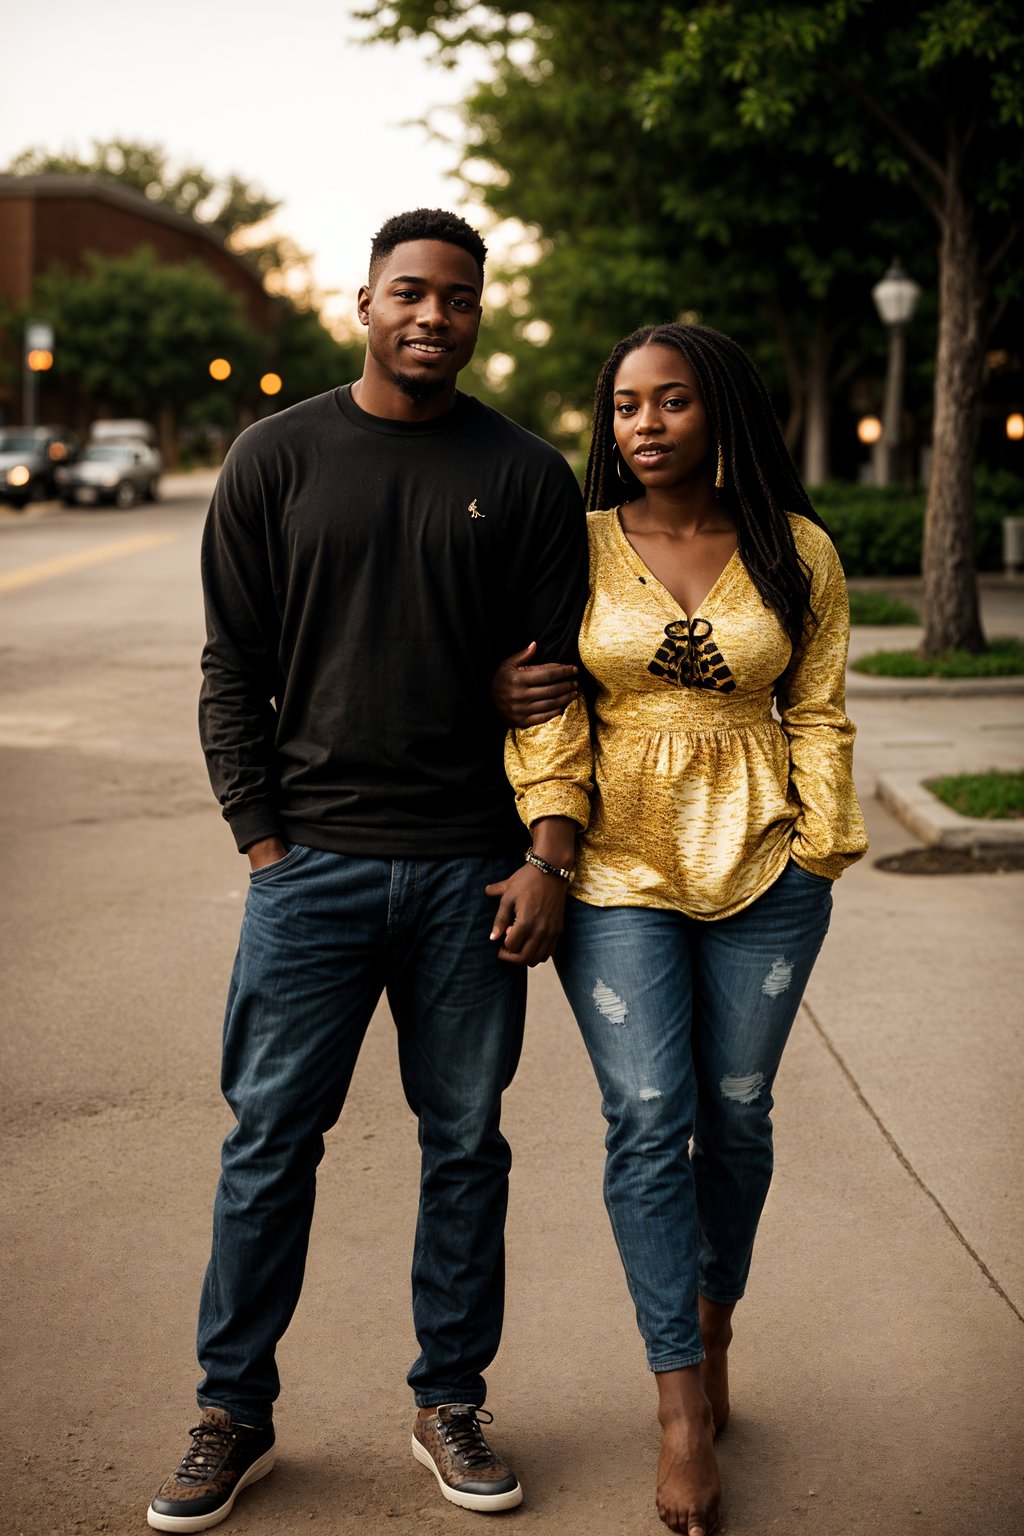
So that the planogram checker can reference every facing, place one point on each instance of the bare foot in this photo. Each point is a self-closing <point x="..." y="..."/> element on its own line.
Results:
<point x="689" y="1488"/>
<point x="716" y="1334"/>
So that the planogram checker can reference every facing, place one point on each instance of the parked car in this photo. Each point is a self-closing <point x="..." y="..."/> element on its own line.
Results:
<point x="120" y="472"/>
<point x="29" y="458"/>
<point x="122" y="431"/>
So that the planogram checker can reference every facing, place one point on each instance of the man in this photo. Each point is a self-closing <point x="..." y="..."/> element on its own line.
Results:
<point x="369" y="558"/>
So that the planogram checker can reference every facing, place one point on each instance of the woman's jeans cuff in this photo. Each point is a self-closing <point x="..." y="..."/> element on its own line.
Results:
<point x="722" y="1301"/>
<point x="683" y="1363"/>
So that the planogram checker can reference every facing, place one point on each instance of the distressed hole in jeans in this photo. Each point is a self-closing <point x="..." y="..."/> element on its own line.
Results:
<point x="744" y="1090"/>
<point x="778" y="978"/>
<point x="647" y="1094"/>
<point x="609" y="1003"/>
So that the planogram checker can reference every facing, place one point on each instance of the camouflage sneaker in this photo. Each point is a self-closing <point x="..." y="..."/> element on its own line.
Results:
<point x="223" y="1459"/>
<point x="451" y="1443"/>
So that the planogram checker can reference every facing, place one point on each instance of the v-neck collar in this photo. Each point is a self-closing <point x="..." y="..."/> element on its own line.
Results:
<point x="643" y="570"/>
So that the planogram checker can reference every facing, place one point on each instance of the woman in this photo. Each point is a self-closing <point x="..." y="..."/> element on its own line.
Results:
<point x="703" y="885"/>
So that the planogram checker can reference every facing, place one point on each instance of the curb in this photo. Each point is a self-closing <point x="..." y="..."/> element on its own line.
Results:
<point x="938" y="826"/>
<point x="860" y="686"/>
<point x="197" y="482"/>
<point x="17" y="517"/>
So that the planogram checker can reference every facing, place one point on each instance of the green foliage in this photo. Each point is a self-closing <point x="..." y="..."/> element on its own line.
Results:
<point x="137" y="336"/>
<point x="877" y="608"/>
<point x="693" y="214"/>
<point x="1002" y="658"/>
<point x="308" y="358"/>
<point x="755" y="165"/>
<point x="994" y="796"/>
<point x="891" y="86"/>
<point x="1001" y="488"/>
<point x="878" y="532"/>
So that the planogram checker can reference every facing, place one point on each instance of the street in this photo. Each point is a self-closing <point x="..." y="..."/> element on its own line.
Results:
<point x="879" y="1355"/>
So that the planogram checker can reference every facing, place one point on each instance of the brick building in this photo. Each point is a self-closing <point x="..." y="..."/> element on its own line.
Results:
<point x="47" y="221"/>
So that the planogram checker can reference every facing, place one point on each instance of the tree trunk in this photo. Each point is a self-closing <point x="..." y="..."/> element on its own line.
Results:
<point x="794" y="382"/>
<point x="818" y="410"/>
<point x="951" y="616"/>
<point x="167" y="437"/>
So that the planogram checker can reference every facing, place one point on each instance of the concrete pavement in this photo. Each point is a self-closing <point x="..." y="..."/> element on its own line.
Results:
<point x="880" y="1352"/>
<point x="912" y="730"/>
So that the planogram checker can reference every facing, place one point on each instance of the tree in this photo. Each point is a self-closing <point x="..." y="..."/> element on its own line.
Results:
<point x="231" y="204"/>
<point x="308" y="358"/>
<point x="236" y="208"/>
<point x="923" y="99"/>
<point x="930" y="97"/>
<point x="137" y="338"/>
<point x="698" y="217"/>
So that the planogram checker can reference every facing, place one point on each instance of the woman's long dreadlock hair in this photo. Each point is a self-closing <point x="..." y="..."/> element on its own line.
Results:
<point x="761" y="482"/>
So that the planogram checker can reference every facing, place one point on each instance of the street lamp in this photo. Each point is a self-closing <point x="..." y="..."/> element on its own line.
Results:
<point x="38" y="358"/>
<point x="895" y="299"/>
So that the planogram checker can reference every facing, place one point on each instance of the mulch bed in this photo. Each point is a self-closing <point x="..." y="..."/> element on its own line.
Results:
<point x="949" y="861"/>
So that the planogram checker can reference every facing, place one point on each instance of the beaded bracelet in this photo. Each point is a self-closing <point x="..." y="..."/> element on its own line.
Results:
<point x="568" y="875"/>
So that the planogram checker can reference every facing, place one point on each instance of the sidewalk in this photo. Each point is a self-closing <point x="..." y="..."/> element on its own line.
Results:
<point x="879" y="1353"/>
<point x="911" y="730"/>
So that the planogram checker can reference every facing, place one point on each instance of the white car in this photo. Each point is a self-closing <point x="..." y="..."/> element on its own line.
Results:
<point x="123" y="431"/>
<point x="121" y="472"/>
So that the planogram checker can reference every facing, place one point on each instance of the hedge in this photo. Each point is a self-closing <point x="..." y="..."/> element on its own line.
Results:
<point x="877" y="530"/>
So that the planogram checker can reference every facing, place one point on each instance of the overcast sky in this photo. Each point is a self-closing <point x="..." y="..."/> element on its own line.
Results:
<point x="276" y="90"/>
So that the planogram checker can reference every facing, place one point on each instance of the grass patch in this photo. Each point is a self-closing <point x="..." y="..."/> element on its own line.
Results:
<point x="1003" y="658"/>
<point x="993" y="796"/>
<point x="876" y="608"/>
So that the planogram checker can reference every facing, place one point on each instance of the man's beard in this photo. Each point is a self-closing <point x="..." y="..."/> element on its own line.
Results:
<point x="419" y="388"/>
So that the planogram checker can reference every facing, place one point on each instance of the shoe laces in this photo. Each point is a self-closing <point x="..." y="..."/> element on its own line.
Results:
<point x="461" y="1432"/>
<point x="209" y="1447"/>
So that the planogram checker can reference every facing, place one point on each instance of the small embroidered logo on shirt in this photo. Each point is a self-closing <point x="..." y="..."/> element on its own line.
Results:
<point x="474" y="510"/>
<point x="689" y="658"/>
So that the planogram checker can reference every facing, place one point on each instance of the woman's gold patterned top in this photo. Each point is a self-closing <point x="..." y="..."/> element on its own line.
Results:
<point x="700" y="792"/>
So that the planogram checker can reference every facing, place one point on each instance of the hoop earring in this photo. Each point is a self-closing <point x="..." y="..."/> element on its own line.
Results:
<point x="618" y="465"/>
<point x="720" y="471"/>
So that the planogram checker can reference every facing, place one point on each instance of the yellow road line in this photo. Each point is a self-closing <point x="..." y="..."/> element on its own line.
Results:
<point x="62" y="564"/>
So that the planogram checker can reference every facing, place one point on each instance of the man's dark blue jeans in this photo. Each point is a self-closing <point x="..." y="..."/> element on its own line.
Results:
<point x="324" y="934"/>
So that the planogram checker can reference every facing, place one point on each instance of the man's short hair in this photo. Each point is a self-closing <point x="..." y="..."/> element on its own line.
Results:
<point x="425" y="224"/>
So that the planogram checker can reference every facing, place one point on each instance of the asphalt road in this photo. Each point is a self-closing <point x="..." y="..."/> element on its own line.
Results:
<point x="879" y="1356"/>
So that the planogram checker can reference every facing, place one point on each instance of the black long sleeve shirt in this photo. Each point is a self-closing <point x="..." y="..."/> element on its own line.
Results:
<point x="363" y="578"/>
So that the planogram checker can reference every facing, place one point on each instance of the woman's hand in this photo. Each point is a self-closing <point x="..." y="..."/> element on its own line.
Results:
<point x="525" y="694"/>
